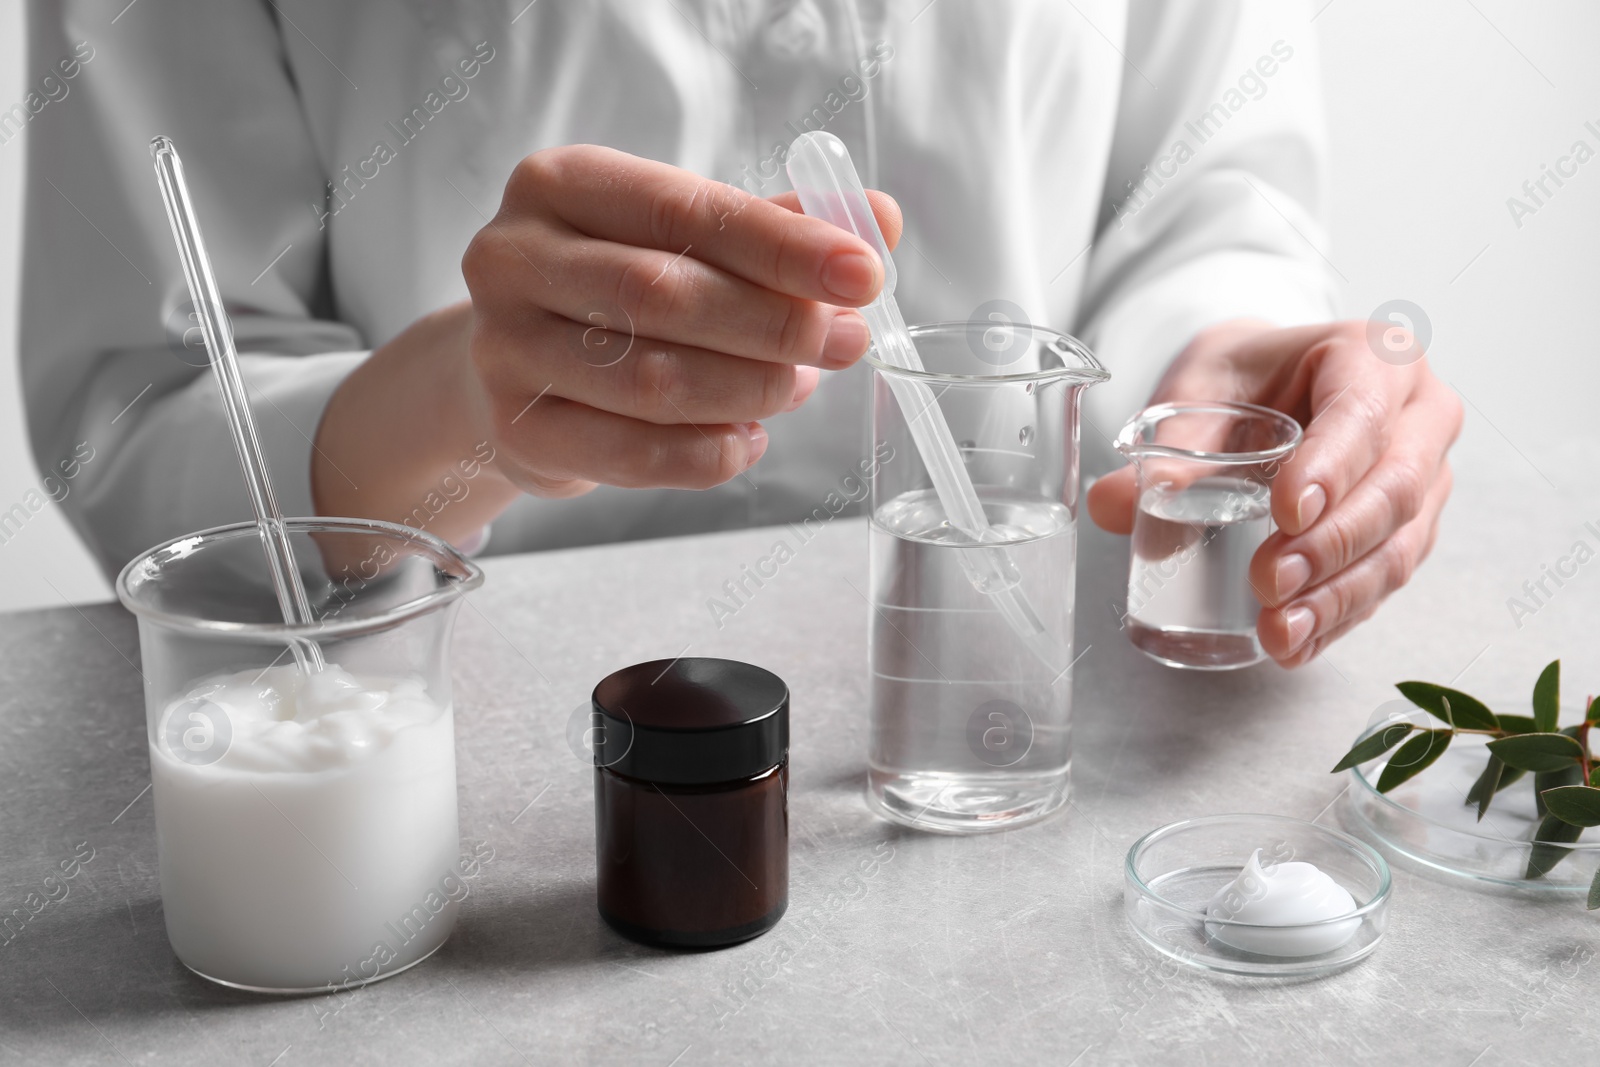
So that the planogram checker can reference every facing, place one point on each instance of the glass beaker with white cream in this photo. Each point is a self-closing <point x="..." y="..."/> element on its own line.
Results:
<point x="305" y="818"/>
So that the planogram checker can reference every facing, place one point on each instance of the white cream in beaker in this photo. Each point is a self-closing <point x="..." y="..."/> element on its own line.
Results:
<point x="306" y="826"/>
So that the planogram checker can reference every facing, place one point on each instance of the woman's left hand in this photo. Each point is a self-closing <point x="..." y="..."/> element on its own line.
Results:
<point x="1357" y="505"/>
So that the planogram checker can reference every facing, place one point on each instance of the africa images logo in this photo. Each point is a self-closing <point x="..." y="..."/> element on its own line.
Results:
<point x="1399" y="332"/>
<point x="999" y="733"/>
<point x="1004" y="337"/>
<point x="197" y="730"/>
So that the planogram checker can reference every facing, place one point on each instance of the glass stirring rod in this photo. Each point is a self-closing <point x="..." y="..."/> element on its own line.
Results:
<point x="224" y="361"/>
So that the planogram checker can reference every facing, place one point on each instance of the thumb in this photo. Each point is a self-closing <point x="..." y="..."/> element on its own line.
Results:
<point x="1112" y="500"/>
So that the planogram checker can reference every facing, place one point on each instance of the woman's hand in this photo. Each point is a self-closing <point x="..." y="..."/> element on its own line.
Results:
<point x="1357" y="505"/>
<point x="630" y="324"/>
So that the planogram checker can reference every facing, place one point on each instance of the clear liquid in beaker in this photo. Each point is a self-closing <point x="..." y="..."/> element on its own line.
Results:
<point x="969" y="727"/>
<point x="1190" y="603"/>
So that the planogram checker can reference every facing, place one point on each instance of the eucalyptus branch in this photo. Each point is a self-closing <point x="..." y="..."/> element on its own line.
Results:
<point x="1559" y="759"/>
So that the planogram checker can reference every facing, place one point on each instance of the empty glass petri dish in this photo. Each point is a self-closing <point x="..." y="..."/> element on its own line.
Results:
<point x="1173" y="873"/>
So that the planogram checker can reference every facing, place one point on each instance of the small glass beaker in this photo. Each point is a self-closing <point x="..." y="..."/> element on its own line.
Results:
<point x="1204" y="506"/>
<point x="970" y="643"/>
<point x="306" y="823"/>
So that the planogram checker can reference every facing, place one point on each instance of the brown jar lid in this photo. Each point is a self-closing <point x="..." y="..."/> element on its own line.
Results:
<point x="691" y="721"/>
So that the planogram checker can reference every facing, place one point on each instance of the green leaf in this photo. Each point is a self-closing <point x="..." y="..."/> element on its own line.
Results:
<point x="1462" y="710"/>
<point x="1594" y="892"/>
<point x="1542" y="783"/>
<point x="1373" y="746"/>
<point x="1490" y="777"/>
<point x="1510" y="776"/>
<point x="1594" y="710"/>
<point x="1518" y="724"/>
<point x="1413" y="757"/>
<point x="1548" y="850"/>
<point x="1577" y="804"/>
<point x="1547" y="697"/>
<point x="1487" y="785"/>
<point x="1540" y="753"/>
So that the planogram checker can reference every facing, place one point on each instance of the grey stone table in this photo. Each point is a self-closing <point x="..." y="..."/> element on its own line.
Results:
<point x="898" y="948"/>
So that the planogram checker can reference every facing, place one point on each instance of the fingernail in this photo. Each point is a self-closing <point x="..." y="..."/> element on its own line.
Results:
<point x="1294" y="570"/>
<point x="847" y="340"/>
<point x="850" y="275"/>
<point x="805" y="383"/>
<point x="1312" y="501"/>
<point x="1301" y="621"/>
<point x="757" y="446"/>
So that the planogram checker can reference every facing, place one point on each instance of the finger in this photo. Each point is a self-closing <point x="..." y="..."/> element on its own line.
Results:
<point x="806" y="381"/>
<point x="632" y="201"/>
<point x="646" y="379"/>
<point x="884" y="208"/>
<point x="1358" y="588"/>
<point x="1112" y="500"/>
<point x="1353" y="401"/>
<point x="577" y="443"/>
<point x="1312" y="649"/>
<point x="1352" y="597"/>
<point x="1388" y="497"/>
<point x="657" y="294"/>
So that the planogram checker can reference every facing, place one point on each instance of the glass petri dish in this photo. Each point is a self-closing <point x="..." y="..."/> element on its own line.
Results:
<point x="1173" y="872"/>
<point x="1427" y="820"/>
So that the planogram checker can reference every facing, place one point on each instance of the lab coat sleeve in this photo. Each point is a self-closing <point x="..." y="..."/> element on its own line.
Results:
<point x="124" y="417"/>
<point x="1215" y="188"/>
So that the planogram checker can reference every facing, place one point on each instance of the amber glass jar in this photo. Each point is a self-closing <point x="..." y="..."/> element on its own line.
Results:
<point x="691" y="789"/>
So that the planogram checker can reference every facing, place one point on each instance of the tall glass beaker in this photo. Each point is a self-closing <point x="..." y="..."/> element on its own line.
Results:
<point x="971" y="641"/>
<point x="306" y="825"/>
<point x="1205" y="475"/>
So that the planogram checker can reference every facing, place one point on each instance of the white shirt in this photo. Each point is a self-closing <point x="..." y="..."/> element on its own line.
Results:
<point x="1129" y="171"/>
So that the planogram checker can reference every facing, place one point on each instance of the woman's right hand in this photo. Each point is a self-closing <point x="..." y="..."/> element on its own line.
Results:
<point x="652" y="319"/>
<point x="631" y="324"/>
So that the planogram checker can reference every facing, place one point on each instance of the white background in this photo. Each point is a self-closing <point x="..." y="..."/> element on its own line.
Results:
<point x="1439" y="111"/>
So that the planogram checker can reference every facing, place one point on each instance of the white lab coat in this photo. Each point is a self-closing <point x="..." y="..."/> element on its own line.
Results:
<point x="1010" y="132"/>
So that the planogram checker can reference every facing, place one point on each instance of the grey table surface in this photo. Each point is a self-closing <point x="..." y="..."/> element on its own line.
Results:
<point x="1003" y="948"/>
